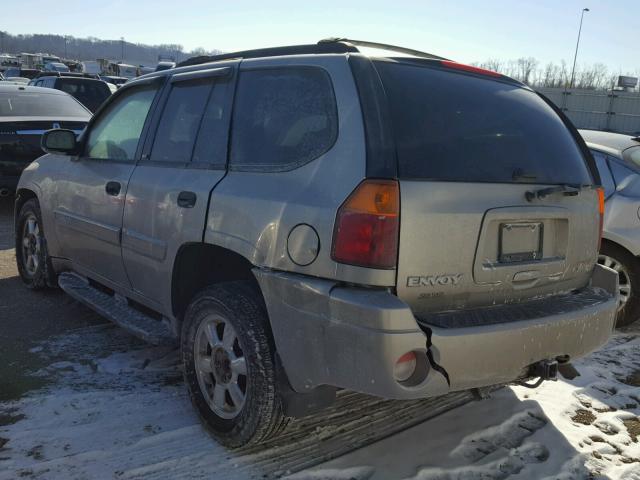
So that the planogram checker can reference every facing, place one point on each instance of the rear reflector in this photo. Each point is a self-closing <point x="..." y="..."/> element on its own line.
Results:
<point x="600" y="191"/>
<point x="469" y="68"/>
<point x="366" y="229"/>
<point x="405" y="367"/>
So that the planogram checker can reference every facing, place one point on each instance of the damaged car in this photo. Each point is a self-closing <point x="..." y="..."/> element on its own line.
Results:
<point x="306" y="219"/>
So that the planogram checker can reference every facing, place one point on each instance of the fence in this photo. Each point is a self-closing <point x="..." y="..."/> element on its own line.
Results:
<point x="613" y="110"/>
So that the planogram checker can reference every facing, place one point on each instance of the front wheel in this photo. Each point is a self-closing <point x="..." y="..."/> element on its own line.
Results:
<point x="229" y="367"/>
<point x="34" y="264"/>
<point x="626" y="265"/>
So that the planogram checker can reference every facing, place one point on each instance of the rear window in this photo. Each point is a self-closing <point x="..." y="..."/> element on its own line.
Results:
<point x="31" y="104"/>
<point x="457" y="127"/>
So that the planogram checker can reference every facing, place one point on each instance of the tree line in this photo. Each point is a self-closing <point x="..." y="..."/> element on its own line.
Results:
<point x="91" y="48"/>
<point x="530" y="71"/>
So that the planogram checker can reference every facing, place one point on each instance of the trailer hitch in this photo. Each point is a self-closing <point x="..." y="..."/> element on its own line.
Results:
<point x="543" y="370"/>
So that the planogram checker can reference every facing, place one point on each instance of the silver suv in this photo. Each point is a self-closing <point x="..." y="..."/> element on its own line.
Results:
<point x="306" y="219"/>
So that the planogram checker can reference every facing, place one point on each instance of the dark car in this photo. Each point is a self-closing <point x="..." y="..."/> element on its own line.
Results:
<point x="89" y="91"/>
<point x="21" y="72"/>
<point x="25" y="113"/>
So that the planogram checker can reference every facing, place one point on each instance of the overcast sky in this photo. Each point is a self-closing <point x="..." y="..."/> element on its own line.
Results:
<point x="463" y="30"/>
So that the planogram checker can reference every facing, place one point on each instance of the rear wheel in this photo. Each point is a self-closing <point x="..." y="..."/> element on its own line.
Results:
<point x="34" y="264"/>
<point x="626" y="265"/>
<point x="228" y="358"/>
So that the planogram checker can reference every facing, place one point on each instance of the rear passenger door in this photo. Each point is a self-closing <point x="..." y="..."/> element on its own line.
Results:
<point x="169" y="190"/>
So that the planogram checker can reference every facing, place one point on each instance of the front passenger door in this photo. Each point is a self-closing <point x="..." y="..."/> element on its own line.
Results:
<point x="90" y="189"/>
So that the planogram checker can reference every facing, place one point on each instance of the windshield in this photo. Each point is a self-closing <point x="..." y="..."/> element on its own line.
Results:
<point x="30" y="104"/>
<point x="457" y="127"/>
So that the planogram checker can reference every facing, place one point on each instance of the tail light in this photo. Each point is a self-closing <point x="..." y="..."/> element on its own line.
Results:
<point x="367" y="223"/>
<point x="600" y="191"/>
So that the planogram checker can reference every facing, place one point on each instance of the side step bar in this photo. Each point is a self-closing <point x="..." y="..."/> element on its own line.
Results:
<point x="117" y="310"/>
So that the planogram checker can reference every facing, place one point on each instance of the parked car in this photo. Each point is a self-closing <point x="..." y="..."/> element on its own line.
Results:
<point x="55" y="67"/>
<point x="21" y="72"/>
<point x="25" y="113"/>
<point x="90" y="66"/>
<point x="117" y="81"/>
<point x="305" y="219"/>
<point x="89" y="91"/>
<point x="618" y="160"/>
<point x="17" y="80"/>
<point x="165" y="66"/>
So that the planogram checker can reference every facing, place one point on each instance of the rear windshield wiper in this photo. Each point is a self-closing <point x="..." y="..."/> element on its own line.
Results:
<point x="567" y="189"/>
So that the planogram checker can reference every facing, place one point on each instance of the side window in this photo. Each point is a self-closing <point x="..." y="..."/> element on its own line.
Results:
<point x="180" y="120"/>
<point x="620" y="172"/>
<point x="605" y="174"/>
<point x="116" y="133"/>
<point x="211" y="145"/>
<point x="283" y="118"/>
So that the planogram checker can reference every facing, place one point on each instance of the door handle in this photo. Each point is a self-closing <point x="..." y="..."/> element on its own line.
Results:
<point x="186" y="199"/>
<point x="113" y="188"/>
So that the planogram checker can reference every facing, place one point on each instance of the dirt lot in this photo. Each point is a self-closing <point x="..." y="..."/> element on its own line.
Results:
<point x="27" y="316"/>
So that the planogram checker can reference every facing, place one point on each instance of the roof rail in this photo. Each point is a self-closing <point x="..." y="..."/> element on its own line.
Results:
<point x="382" y="46"/>
<point x="273" y="52"/>
<point x="67" y="74"/>
<point x="327" y="45"/>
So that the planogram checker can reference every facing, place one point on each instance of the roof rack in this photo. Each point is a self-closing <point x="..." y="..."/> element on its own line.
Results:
<point x="327" y="45"/>
<point x="67" y="74"/>
<point x="382" y="46"/>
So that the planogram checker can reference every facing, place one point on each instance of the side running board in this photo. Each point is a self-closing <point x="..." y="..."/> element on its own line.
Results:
<point x="116" y="309"/>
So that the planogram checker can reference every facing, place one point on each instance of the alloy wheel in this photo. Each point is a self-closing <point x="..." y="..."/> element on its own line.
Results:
<point x="221" y="366"/>
<point x="31" y="245"/>
<point x="624" y="280"/>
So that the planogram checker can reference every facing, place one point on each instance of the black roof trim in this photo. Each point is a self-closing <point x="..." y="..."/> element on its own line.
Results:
<point x="273" y="52"/>
<point x="327" y="45"/>
<point x="67" y="74"/>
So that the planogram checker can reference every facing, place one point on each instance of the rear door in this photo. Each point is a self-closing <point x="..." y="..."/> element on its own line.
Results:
<point x="469" y="148"/>
<point x="169" y="191"/>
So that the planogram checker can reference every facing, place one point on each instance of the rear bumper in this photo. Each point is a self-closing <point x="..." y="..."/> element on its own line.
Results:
<point x="351" y="338"/>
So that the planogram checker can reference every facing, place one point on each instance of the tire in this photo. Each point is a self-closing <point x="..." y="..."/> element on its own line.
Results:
<point x="234" y="422"/>
<point x="32" y="257"/>
<point x="628" y="269"/>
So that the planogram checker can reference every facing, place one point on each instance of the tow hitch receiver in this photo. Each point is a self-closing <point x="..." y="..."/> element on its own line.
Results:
<point x="543" y="370"/>
<point x="546" y="370"/>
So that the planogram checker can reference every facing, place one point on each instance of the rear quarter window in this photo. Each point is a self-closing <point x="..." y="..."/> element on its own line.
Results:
<point x="283" y="117"/>
<point x="458" y="127"/>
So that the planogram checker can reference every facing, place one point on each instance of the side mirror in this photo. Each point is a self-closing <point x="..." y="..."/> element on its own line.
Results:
<point x="59" y="141"/>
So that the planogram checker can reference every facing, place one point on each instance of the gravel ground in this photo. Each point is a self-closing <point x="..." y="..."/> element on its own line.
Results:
<point x="27" y="317"/>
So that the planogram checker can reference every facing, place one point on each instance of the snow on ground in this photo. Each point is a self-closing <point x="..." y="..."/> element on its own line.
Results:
<point x="117" y="409"/>
<point x="587" y="428"/>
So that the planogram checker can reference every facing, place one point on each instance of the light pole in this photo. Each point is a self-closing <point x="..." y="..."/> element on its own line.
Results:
<point x="122" y="49"/>
<point x="575" y="56"/>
